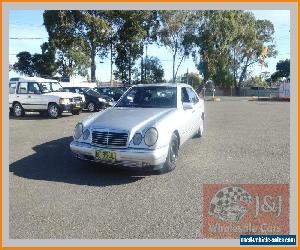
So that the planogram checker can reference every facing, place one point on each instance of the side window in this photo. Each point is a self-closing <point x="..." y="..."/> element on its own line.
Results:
<point x="184" y="95"/>
<point x="192" y="96"/>
<point x="33" y="88"/>
<point x="23" y="88"/>
<point x="12" y="88"/>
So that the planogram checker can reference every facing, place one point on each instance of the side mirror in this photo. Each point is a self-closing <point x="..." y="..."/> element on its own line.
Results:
<point x="187" y="105"/>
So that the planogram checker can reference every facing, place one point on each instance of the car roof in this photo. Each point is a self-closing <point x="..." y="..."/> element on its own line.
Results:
<point x="164" y="85"/>
<point x="74" y="87"/>
<point x="31" y="79"/>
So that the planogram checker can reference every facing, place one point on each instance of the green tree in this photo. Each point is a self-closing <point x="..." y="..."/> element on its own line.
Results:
<point x="194" y="79"/>
<point x="256" y="81"/>
<point x="151" y="25"/>
<point x="253" y="44"/>
<point x="24" y="64"/>
<point x="211" y="41"/>
<point x="131" y="34"/>
<point x="45" y="64"/>
<point x="283" y="68"/>
<point x="177" y="25"/>
<point x="155" y="71"/>
<point x="93" y="30"/>
<point x="78" y="36"/>
<point x="227" y="43"/>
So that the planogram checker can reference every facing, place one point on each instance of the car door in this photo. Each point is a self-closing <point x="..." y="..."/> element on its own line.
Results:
<point x="22" y="95"/>
<point x="34" y="97"/>
<point x="196" y="111"/>
<point x="12" y="92"/>
<point x="188" y="115"/>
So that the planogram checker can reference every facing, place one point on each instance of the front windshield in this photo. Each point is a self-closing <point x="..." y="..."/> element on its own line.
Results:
<point x="150" y="97"/>
<point x="51" y="87"/>
<point x="92" y="92"/>
<point x="119" y="90"/>
<point x="56" y="87"/>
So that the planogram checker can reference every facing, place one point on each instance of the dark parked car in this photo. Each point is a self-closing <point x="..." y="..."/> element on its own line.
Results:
<point x="113" y="92"/>
<point x="93" y="100"/>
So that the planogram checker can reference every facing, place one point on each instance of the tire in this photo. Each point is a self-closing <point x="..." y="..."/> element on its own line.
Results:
<point x="76" y="112"/>
<point x="170" y="163"/>
<point x="18" y="110"/>
<point x="91" y="107"/>
<point x="53" y="111"/>
<point x="199" y="133"/>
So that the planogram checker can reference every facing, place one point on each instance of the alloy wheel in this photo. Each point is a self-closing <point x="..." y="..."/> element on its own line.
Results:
<point x="18" y="110"/>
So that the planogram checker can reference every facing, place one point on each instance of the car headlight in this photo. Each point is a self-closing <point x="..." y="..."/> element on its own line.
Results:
<point x="64" y="101"/>
<point x="86" y="134"/>
<point x="137" y="139"/>
<point x="78" y="130"/>
<point x="151" y="137"/>
<point x="101" y="100"/>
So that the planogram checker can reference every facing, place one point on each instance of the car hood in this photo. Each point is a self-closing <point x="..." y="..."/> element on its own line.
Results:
<point x="63" y="94"/>
<point x="130" y="119"/>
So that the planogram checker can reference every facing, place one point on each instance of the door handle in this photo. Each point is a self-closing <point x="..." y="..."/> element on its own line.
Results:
<point x="29" y="96"/>
<point x="193" y="111"/>
<point x="18" y="96"/>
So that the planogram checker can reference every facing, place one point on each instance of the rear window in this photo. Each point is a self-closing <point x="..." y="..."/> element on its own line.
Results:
<point x="15" y="79"/>
<point x="12" y="88"/>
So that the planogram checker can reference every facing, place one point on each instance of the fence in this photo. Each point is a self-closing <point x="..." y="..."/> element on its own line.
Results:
<point x="269" y="92"/>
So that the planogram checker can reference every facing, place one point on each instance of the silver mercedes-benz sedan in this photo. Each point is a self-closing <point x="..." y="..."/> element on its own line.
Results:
<point x="145" y="128"/>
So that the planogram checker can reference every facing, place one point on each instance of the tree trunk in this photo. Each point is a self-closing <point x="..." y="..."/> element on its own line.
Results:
<point x="93" y="65"/>
<point x="142" y="70"/>
<point x="146" y="63"/>
<point x="242" y="76"/>
<point x="129" y="71"/>
<point x="174" y="57"/>
<point x="111" y="63"/>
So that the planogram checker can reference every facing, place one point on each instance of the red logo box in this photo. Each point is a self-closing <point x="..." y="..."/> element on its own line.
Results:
<point x="230" y="210"/>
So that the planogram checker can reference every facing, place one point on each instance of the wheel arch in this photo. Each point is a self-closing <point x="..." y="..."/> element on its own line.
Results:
<point x="14" y="102"/>
<point x="52" y="102"/>
<point x="178" y="136"/>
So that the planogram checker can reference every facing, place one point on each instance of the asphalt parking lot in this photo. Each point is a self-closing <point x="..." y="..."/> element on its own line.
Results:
<point x="53" y="195"/>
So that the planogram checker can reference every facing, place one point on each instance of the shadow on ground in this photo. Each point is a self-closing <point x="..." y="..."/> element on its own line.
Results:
<point x="53" y="161"/>
<point x="36" y="116"/>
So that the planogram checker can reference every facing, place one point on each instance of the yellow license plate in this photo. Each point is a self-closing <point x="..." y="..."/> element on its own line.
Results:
<point x="77" y="105"/>
<point x="106" y="155"/>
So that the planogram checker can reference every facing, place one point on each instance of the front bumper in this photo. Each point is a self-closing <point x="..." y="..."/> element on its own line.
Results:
<point x="125" y="157"/>
<point x="71" y="107"/>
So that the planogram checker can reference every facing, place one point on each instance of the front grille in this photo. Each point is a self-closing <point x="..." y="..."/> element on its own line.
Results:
<point x="112" y="139"/>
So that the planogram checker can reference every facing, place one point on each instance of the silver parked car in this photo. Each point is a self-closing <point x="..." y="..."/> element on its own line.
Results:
<point x="145" y="128"/>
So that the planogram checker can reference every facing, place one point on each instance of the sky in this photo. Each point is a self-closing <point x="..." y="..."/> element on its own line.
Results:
<point x="29" y="24"/>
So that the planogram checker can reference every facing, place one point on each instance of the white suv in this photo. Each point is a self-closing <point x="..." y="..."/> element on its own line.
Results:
<point x="41" y="95"/>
